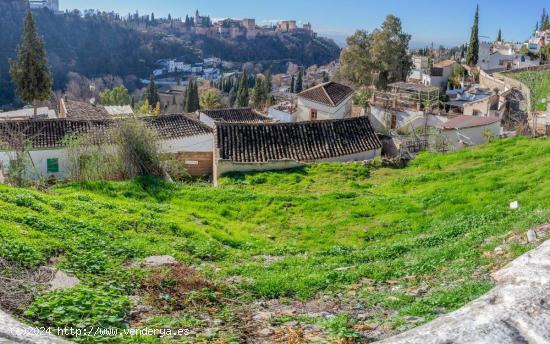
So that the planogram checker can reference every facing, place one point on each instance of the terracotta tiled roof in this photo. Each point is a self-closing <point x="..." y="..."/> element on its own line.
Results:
<point x="329" y="93"/>
<point x="85" y="111"/>
<point x="174" y="126"/>
<point x="302" y="141"/>
<point x="242" y="115"/>
<point x="464" y="121"/>
<point x="51" y="133"/>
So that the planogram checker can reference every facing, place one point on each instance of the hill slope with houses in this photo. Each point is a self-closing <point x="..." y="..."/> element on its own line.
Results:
<point x="94" y="44"/>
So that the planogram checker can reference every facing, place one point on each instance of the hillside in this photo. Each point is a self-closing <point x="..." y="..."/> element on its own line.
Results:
<point x="329" y="251"/>
<point x="96" y="44"/>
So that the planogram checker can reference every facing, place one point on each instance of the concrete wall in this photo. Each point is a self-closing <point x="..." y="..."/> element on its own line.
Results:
<point x="490" y="82"/>
<point x="470" y="136"/>
<point x="404" y="118"/>
<point x="324" y="112"/>
<point x="207" y="120"/>
<point x="199" y="143"/>
<point x="281" y="116"/>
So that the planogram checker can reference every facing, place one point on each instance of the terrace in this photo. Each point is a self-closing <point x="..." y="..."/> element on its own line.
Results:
<point x="403" y="95"/>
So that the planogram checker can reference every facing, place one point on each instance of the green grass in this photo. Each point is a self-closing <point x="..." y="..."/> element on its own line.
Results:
<point x="539" y="84"/>
<point x="330" y="226"/>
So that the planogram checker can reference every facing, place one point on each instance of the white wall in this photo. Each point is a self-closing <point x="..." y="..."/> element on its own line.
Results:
<point x="38" y="162"/>
<point x="404" y="118"/>
<point x="199" y="143"/>
<point x="470" y="136"/>
<point x="207" y="120"/>
<point x="324" y="112"/>
<point x="280" y="116"/>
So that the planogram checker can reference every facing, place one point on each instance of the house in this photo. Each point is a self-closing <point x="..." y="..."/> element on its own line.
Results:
<point x="72" y="109"/>
<point x="28" y="113"/>
<point x="326" y="101"/>
<point x="240" y="115"/>
<point x="439" y="74"/>
<point x="172" y="98"/>
<point x="463" y="130"/>
<point x="241" y="147"/>
<point x="180" y="138"/>
<point x="475" y="101"/>
<point x="503" y="56"/>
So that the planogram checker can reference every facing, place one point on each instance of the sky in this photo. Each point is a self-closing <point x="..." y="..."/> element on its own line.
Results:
<point x="442" y="22"/>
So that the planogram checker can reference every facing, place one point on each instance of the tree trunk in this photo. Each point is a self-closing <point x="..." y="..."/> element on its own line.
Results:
<point x="35" y="108"/>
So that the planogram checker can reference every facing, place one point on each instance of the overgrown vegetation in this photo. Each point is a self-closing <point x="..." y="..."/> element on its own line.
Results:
<point x="403" y="243"/>
<point x="539" y="84"/>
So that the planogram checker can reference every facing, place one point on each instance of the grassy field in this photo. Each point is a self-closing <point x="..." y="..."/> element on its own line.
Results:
<point x="406" y="245"/>
<point x="539" y="84"/>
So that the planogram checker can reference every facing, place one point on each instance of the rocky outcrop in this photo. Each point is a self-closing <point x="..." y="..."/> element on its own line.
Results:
<point x="12" y="331"/>
<point x="517" y="310"/>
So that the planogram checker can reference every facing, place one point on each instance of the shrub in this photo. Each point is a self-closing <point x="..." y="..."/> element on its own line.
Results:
<point x="137" y="149"/>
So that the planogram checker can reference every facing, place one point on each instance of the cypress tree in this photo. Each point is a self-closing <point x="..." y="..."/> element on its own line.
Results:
<point x="299" y="82"/>
<point x="30" y="73"/>
<point x="499" y="36"/>
<point x="196" y="101"/>
<point x="259" y="94"/>
<point x="292" y="84"/>
<point x="152" y="94"/>
<point x="188" y="98"/>
<point x="242" y="93"/>
<point x="473" y="47"/>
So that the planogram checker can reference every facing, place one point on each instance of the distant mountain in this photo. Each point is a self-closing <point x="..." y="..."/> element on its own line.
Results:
<point x="98" y="44"/>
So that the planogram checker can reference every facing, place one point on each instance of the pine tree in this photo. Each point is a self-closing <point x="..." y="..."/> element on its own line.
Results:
<point x="299" y="87"/>
<point x="473" y="47"/>
<point x="30" y="73"/>
<point x="151" y="93"/>
<point x="292" y="84"/>
<point x="499" y="36"/>
<point x="242" y="94"/>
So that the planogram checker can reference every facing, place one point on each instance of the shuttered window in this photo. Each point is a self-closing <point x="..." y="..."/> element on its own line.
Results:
<point x="52" y="165"/>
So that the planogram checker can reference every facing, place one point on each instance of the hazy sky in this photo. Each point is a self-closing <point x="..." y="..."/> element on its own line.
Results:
<point x="440" y="21"/>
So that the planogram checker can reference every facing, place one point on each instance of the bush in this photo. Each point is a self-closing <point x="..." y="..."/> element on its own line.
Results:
<point x="137" y="149"/>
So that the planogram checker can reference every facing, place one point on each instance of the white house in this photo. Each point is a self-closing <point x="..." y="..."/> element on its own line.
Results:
<point x="186" y="139"/>
<point x="240" y="115"/>
<point x="502" y="56"/>
<point x="439" y="74"/>
<point x="463" y="130"/>
<point x="330" y="100"/>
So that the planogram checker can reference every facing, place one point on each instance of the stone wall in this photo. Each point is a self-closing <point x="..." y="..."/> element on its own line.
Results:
<point x="517" y="310"/>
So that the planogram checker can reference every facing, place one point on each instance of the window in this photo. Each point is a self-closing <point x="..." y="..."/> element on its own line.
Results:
<point x="52" y="165"/>
<point x="312" y="115"/>
<point x="476" y="113"/>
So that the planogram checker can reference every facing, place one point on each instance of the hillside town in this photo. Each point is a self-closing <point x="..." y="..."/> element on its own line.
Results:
<point x="394" y="194"/>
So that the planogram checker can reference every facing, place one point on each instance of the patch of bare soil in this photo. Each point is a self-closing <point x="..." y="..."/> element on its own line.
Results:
<point x="19" y="285"/>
